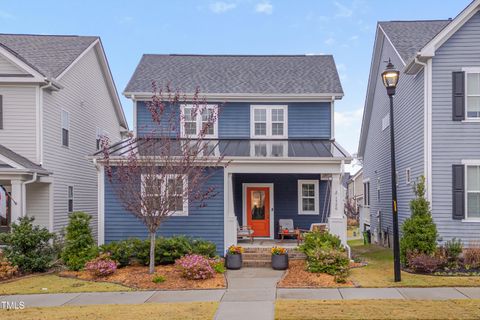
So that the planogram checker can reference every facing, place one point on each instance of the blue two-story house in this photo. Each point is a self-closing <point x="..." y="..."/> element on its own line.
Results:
<point x="275" y="130"/>
<point x="437" y="124"/>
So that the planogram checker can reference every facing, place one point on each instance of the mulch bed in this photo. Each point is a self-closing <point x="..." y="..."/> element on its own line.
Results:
<point x="138" y="277"/>
<point x="298" y="277"/>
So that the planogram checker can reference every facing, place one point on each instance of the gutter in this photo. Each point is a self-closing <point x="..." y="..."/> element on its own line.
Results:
<point x="24" y="194"/>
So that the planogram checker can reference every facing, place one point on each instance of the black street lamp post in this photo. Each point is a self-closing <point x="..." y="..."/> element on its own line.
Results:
<point x="390" y="79"/>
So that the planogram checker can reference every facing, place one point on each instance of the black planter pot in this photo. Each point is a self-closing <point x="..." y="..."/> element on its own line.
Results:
<point x="280" y="261"/>
<point x="234" y="261"/>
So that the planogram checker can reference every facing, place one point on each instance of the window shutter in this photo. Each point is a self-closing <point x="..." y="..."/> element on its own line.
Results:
<point x="458" y="187"/>
<point x="1" y="112"/>
<point x="458" y="95"/>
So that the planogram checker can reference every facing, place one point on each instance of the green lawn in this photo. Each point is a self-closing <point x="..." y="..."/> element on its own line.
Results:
<point x="161" y="311"/>
<point x="376" y="309"/>
<point x="379" y="271"/>
<point x="55" y="284"/>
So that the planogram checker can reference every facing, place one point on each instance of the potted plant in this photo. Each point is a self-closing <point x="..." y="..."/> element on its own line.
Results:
<point x="279" y="258"/>
<point x="233" y="259"/>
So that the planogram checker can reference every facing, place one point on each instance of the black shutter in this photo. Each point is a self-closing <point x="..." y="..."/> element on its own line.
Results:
<point x="1" y="112"/>
<point x="458" y="96"/>
<point x="458" y="188"/>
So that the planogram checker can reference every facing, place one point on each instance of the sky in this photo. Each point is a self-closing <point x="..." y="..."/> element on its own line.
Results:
<point x="128" y="29"/>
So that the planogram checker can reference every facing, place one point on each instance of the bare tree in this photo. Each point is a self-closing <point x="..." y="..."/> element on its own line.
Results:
<point x="163" y="172"/>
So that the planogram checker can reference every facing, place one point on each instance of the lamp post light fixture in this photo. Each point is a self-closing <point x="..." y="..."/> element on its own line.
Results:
<point x="390" y="80"/>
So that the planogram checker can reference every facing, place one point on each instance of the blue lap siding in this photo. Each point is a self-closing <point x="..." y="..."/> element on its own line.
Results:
<point x="305" y="120"/>
<point x="285" y="197"/>
<point x="201" y="222"/>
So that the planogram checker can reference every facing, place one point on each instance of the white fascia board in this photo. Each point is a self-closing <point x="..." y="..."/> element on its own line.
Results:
<point x="10" y="162"/>
<point x="391" y="43"/>
<point x="36" y="76"/>
<point x="248" y="97"/>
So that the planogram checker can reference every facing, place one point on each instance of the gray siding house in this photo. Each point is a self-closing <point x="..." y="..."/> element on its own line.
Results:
<point x="437" y="123"/>
<point x="57" y="97"/>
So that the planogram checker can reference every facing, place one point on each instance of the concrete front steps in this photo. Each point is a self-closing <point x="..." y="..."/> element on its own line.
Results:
<point x="262" y="257"/>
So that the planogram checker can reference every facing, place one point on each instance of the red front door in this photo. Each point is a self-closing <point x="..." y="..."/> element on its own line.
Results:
<point x="258" y="210"/>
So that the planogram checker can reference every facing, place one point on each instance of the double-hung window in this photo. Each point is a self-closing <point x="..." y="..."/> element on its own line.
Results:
<point x="269" y="122"/>
<point x="308" y="197"/>
<point x="268" y="148"/>
<point x="167" y="190"/>
<point x="366" y="193"/>
<point x="65" y="128"/>
<point x="473" y="94"/>
<point x="194" y="119"/>
<point x="70" y="198"/>
<point x="473" y="191"/>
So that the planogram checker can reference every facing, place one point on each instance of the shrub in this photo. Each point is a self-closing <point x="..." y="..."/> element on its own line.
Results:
<point x="101" y="266"/>
<point x="218" y="264"/>
<point x="28" y="247"/>
<point x="7" y="270"/>
<point x="424" y="263"/>
<point x="204" y="248"/>
<point x="419" y="232"/>
<point x="235" y="249"/>
<point x="126" y="250"/>
<point x="453" y="249"/>
<point x="471" y="256"/>
<point x="320" y="239"/>
<point x="79" y="244"/>
<point x="168" y="250"/>
<point x="158" y="278"/>
<point x="195" y="267"/>
<point x="330" y="261"/>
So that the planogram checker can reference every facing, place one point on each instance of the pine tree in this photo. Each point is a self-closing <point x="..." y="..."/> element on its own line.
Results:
<point x="419" y="232"/>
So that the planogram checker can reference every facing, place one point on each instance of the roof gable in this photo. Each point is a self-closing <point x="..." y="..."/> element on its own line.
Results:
<point x="235" y="74"/>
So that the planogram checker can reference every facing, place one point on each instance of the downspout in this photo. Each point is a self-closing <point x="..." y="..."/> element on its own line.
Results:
<point x="40" y="117"/>
<point x="427" y="125"/>
<point x="24" y="194"/>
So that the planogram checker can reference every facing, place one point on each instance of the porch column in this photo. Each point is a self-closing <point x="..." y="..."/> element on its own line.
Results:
<point x="16" y="201"/>
<point x="337" y="222"/>
<point x="230" y="219"/>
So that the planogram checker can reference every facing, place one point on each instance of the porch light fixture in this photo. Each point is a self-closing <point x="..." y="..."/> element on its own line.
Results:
<point x="390" y="80"/>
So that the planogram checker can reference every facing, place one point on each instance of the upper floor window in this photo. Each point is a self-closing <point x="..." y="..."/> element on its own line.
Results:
<point x="473" y="94"/>
<point x="308" y="197"/>
<point x="194" y="119"/>
<point x="268" y="148"/>
<point x="473" y="191"/>
<point x="65" y="128"/>
<point x="70" y="198"/>
<point x="366" y="193"/>
<point x="269" y="122"/>
<point x="408" y="176"/>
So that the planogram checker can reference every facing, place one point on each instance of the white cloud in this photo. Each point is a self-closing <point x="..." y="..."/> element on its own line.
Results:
<point x="347" y="128"/>
<point x="264" y="7"/>
<point x="6" y="15"/>
<point x="353" y="38"/>
<point x="342" y="10"/>
<point x="342" y="71"/>
<point x="221" y="7"/>
<point x="125" y="20"/>
<point x="329" y="41"/>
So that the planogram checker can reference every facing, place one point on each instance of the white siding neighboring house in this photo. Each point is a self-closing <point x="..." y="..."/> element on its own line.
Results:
<point x="56" y="94"/>
<point x="437" y="123"/>
<point x="355" y="199"/>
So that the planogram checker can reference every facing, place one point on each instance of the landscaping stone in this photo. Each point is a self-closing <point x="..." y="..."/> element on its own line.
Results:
<point x="431" y="294"/>
<point x="320" y="294"/>
<point x="112" y="298"/>
<point x="186" y="296"/>
<point x="370" y="293"/>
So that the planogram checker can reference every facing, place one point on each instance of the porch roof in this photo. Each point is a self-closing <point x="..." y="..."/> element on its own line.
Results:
<point x="309" y="149"/>
<point x="10" y="160"/>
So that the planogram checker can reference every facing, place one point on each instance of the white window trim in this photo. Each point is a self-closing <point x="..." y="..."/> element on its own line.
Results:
<point x="467" y="71"/>
<point x="366" y="196"/>
<point x="469" y="163"/>
<point x="182" y="213"/>
<point x="72" y="198"/>
<point x="67" y="127"/>
<point x="317" y="202"/>
<point x="408" y="176"/>
<point x="214" y="107"/>
<point x="269" y="147"/>
<point x="269" y="108"/>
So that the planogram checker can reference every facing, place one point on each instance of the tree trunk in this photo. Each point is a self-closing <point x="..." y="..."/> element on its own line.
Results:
<point x="151" y="268"/>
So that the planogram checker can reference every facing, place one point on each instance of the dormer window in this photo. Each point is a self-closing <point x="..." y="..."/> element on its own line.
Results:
<point x="268" y="122"/>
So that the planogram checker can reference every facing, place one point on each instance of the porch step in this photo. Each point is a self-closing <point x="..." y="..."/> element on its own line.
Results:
<point x="260" y="257"/>
<point x="261" y="263"/>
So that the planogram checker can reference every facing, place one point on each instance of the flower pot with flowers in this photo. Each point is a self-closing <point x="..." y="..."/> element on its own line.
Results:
<point x="279" y="258"/>
<point x="233" y="259"/>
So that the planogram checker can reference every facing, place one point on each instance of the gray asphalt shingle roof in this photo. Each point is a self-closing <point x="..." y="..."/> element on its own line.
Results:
<point x="21" y="160"/>
<point x="262" y="74"/>
<point x="47" y="54"/>
<point x="409" y="37"/>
